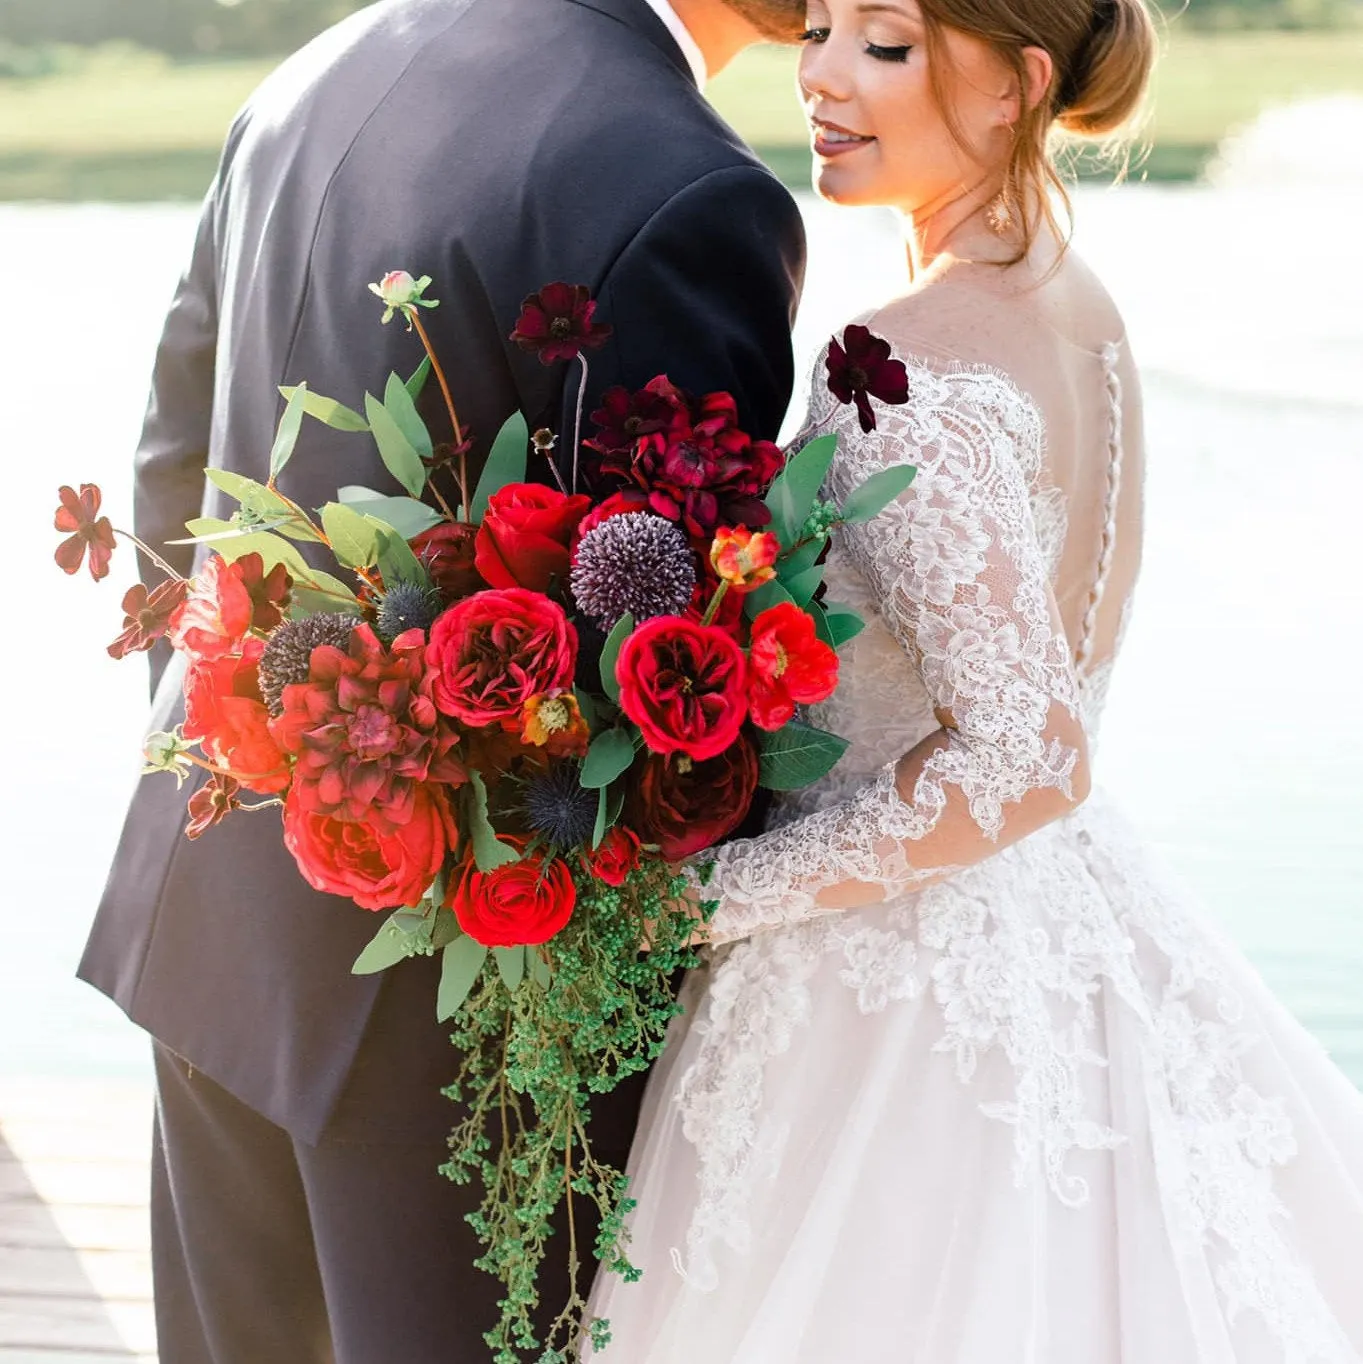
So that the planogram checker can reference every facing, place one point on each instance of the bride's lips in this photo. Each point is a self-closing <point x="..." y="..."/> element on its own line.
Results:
<point x="830" y="140"/>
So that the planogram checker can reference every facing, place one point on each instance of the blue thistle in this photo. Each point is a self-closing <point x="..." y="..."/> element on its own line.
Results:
<point x="406" y="606"/>
<point x="560" y="807"/>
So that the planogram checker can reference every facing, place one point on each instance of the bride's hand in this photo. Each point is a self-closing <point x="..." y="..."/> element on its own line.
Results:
<point x="690" y="903"/>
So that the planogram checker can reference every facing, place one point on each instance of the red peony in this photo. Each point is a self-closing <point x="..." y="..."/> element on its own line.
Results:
<point x="556" y="323"/>
<point x="521" y="904"/>
<point x="861" y="369"/>
<point x="686" y="807"/>
<point x="700" y="468"/>
<point x="365" y="730"/>
<point x="446" y="551"/>
<point x="494" y="650"/>
<point x="682" y="684"/>
<point x="788" y="666"/>
<point x="217" y="612"/>
<point x="146" y="615"/>
<point x="616" y="857"/>
<point x="225" y="713"/>
<point x="525" y="535"/>
<point x="78" y="517"/>
<point x="378" y="869"/>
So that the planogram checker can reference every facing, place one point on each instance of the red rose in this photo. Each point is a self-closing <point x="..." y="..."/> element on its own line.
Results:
<point x="492" y="651"/>
<point x="683" y="685"/>
<point x="522" y="904"/>
<point x="446" y="551"/>
<point x="217" y="612"/>
<point x="524" y="538"/>
<point x="617" y="856"/>
<point x="225" y="712"/>
<point x="685" y="807"/>
<point x="376" y="870"/>
<point x="788" y="665"/>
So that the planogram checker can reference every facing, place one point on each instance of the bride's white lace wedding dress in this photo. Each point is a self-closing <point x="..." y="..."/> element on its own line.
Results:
<point x="1030" y="1108"/>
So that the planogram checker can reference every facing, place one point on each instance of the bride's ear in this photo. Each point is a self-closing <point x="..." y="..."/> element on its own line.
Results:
<point x="1040" y="69"/>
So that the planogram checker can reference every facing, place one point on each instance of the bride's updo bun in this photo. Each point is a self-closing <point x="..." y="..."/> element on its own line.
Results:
<point x="1102" y="53"/>
<point x="1104" y="86"/>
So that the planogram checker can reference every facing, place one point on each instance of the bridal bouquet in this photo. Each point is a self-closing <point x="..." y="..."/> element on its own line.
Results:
<point x="507" y="717"/>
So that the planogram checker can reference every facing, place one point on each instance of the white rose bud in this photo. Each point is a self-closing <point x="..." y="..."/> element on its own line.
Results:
<point x="402" y="294"/>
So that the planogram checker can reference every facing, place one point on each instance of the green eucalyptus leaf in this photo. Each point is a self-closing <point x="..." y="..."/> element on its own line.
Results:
<point x="405" y="515"/>
<point x="610" y="653"/>
<point x="286" y="438"/>
<point x="873" y="496"/>
<point x="506" y="463"/>
<point x="397" y="452"/>
<point x="793" y="492"/>
<point x="417" y="382"/>
<point x="404" y="934"/>
<point x="397" y="562"/>
<point x="588" y="707"/>
<point x="402" y="409"/>
<point x="769" y="594"/>
<point x="539" y="968"/>
<point x="489" y="852"/>
<point x="327" y="410"/>
<point x="820" y="617"/>
<point x="354" y="537"/>
<point x="843" y="624"/>
<point x="798" y="754"/>
<point x="263" y="504"/>
<point x="460" y="965"/>
<point x="511" y="965"/>
<point x="804" y="585"/>
<point x="610" y="756"/>
<point x="792" y="565"/>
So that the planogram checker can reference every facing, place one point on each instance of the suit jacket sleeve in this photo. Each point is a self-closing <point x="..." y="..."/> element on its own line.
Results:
<point x="705" y="293"/>
<point x="168" y="470"/>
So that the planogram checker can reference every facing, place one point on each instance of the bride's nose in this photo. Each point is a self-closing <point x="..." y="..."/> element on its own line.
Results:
<point x="823" y="75"/>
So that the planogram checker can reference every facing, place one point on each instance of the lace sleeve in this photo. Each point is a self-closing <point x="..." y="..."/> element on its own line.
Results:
<point x="962" y="583"/>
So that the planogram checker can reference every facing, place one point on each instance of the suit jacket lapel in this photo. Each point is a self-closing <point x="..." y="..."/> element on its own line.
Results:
<point x="637" y="15"/>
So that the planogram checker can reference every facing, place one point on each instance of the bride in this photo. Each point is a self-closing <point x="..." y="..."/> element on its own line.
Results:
<point x="966" y="1081"/>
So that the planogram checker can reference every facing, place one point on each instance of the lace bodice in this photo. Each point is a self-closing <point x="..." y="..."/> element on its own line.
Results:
<point x="966" y="662"/>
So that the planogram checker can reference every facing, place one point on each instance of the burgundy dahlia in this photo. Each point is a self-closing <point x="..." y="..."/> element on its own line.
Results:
<point x="862" y="368"/>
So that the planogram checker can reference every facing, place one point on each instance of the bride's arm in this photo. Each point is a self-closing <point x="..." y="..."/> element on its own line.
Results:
<point x="963" y="585"/>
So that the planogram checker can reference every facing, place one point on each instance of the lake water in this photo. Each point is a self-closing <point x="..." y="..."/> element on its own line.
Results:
<point x="1234" y="733"/>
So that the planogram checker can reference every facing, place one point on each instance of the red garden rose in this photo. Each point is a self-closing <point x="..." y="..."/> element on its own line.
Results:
<point x="494" y="650"/>
<point x="683" y="684"/>
<point x="78" y="517"/>
<point x="616" y="857"/>
<point x="447" y="552"/>
<point x="377" y="870"/>
<point x="216" y="614"/>
<point x="685" y="807"/>
<point x="146" y="615"/>
<point x="556" y="323"/>
<point x="521" y="904"/>
<point x="862" y="368"/>
<point x="365" y="730"/>
<point x="525" y="535"/>
<point x="225" y="713"/>
<point x="788" y="665"/>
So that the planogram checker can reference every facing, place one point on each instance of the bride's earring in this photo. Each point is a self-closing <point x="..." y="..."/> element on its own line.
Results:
<point x="998" y="216"/>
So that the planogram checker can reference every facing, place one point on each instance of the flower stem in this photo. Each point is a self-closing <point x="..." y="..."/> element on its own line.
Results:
<point x="151" y="554"/>
<point x="712" y="610"/>
<point x="415" y="317"/>
<point x="577" y="420"/>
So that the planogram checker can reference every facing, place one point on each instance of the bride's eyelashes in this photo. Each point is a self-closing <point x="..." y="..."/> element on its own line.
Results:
<point x="881" y="54"/>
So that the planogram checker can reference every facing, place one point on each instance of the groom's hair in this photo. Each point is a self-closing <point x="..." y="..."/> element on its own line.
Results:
<point x="781" y="21"/>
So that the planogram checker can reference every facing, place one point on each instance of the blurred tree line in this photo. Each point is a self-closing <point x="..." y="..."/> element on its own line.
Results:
<point x="207" y="28"/>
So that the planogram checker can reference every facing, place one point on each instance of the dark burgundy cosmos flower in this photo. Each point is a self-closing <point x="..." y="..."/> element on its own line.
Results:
<point x="78" y="517"/>
<point x="213" y="801"/>
<point x="624" y="417"/>
<point x="556" y="323"/>
<point x="146" y="616"/>
<point x="861" y="369"/>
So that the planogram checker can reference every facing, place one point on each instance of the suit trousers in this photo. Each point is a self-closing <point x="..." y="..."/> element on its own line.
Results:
<point x="268" y="1250"/>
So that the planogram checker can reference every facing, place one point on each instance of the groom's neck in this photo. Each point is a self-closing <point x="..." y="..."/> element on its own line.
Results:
<point x="720" y="32"/>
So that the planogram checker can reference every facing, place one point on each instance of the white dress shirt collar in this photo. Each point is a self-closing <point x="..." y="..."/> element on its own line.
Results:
<point x="695" y="58"/>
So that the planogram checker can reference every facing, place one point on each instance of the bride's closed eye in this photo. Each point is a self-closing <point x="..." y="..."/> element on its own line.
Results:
<point x="881" y="54"/>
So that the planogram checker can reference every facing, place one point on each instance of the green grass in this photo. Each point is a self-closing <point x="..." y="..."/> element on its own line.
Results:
<point x="135" y="127"/>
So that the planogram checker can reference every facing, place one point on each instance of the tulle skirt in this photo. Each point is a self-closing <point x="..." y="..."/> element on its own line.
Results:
<point x="1041" y="1113"/>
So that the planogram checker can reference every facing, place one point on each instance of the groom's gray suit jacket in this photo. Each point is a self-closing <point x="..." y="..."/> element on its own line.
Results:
<point x="495" y="145"/>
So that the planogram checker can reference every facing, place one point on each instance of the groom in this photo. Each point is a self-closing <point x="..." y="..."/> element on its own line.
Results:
<point x="496" y="145"/>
